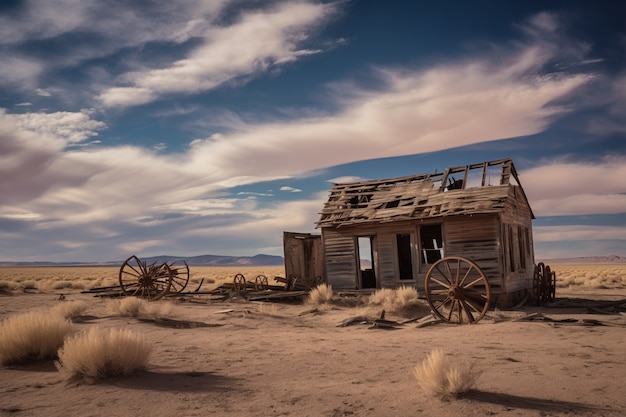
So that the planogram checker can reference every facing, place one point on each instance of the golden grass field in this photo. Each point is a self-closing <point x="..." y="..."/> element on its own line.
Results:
<point x="83" y="278"/>
<point x="569" y="276"/>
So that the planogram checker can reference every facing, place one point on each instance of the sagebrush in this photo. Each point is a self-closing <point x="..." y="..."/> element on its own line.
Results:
<point x="32" y="336"/>
<point x="438" y="376"/>
<point x="103" y="353"/>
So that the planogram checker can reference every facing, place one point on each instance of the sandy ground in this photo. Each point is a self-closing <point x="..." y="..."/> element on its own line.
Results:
<point x="240" y="358"/>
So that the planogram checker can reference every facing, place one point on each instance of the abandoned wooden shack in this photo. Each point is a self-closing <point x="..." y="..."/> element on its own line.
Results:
<point x="388" y="233"/>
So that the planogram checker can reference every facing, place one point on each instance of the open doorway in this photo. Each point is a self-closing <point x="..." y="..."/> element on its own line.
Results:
<point x="405" y="263"/>
<point x="365" y="246"/>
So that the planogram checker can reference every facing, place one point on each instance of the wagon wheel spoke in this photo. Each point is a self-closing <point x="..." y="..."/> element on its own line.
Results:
<point x="442" y="306"/>
<point x="443" y="274"/>
<point x="444" y="285"/>
<point x="180" y="277"/>
<point x="461" y="294"/>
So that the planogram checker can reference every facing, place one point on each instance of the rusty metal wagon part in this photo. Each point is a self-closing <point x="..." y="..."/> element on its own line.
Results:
<point x="457" y="290"/>
<point x="153" y="281"/>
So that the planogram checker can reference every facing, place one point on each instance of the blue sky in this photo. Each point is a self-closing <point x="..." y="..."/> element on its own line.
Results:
<point x="210" y="127"/>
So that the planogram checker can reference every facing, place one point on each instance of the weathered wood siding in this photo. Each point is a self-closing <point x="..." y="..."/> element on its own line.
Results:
<point x="476" y="238"/>
<point x="387" y="259"/>
<point x="304" y="256"/>
<point x="516" y="219"/>
<point x="341" y="260"/>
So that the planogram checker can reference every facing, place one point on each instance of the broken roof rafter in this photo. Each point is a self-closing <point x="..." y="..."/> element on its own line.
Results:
<point x="483" y="188"/>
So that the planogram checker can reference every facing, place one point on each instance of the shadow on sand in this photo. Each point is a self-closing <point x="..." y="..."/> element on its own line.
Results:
<point x="177" y="381"/>
<point x="530" y="403"/>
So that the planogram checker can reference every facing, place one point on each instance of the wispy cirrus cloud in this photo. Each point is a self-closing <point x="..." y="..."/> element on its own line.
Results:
<point x="259" y="40"/>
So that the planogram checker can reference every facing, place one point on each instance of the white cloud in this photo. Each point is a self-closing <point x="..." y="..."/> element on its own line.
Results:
<point x="258" y="41"/>
<point x="290" y="189"/>
<point x="43" y="93"/>
<point x="345" y="179"/>
<point x="572" y="188"/>
<point x="441" y="108"/>
<point x="70" y="127"/>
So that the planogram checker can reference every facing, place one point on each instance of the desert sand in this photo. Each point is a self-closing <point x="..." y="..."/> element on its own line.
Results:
<point x="238" y="358"/>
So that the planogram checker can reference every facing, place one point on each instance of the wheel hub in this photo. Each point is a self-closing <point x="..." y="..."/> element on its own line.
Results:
<point x="455" y="292"/>
<point x="145" y="281"/>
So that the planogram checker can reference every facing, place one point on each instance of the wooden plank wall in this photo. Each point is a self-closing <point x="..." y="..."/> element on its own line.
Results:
<point x="518" y="214"/>
<point x="387" y="259"/>
<point x="304" y="256"/>
<point x="339" y="252"/>
<point x="477" y="239"/>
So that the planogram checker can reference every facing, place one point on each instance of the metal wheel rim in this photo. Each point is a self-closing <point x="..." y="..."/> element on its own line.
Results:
<point x="457" y="290"/>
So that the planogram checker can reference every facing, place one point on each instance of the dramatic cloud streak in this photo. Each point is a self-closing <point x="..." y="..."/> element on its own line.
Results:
<point x="72" y="186"/>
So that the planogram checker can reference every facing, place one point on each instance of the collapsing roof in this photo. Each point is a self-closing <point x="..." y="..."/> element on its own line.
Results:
<point x="471" y="189"/>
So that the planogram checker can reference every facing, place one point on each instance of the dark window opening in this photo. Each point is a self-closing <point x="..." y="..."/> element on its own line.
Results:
<point x="511" y="249"/>
<point x="454" y="184"/>
<point x="431" y="243"/>
<point x="405" y="264"/>
<point x="521" y="245"/>
<point x="365" y="251"/>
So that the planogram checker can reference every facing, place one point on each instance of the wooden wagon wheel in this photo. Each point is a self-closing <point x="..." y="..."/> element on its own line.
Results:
<point x="553" y="287"/>
<point x="457" y="290"/>
<point x="239" y="283"/>
<point x="547" y="285"/>
<point x="180" y="277"/>
<point x="538" y="283"/>
<point x="145" y="281"/>
<point x="261" y="283"/>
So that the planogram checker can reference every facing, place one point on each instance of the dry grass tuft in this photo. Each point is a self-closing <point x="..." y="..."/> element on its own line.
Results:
<point x="103" y="353"/>
<point x="322" y="294"/>
<point x="70" y="309"/>
<point x="437" y="376"/>
<point x="394" y="300"/>
<point x="31" y="336"/>
<point x="139" y="307"/>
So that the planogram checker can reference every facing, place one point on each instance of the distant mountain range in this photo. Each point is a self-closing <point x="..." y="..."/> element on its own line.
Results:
<point x="272" y="260"/>
<point x="201" y="260"/>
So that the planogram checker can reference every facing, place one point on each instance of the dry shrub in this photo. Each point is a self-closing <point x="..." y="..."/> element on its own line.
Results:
<point x="34" y="335"/>
<point x="394" y="300"/>
<point x="406" y="296"/>
<point x="437" y="376"/>
<point x="70" y="309"/>
<point x="322" y="294"/>
<point x="139" y="307"/>
<point x="103" y="353"/>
